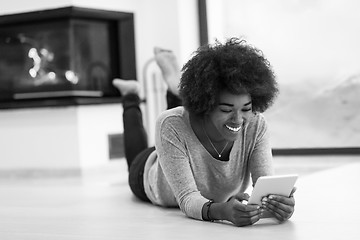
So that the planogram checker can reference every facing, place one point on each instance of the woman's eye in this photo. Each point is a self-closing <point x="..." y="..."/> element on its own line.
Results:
<point x="226" y="110"/>
<point x="247" y="110"/>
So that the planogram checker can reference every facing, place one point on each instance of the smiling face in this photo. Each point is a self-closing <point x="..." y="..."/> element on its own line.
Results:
<point x="228" y="118"/>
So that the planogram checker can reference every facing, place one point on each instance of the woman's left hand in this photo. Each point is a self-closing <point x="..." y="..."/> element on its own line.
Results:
<point x="280" y="207"/>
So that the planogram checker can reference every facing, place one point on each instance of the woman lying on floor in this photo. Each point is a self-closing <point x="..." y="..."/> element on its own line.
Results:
<point x="206" y="150"/>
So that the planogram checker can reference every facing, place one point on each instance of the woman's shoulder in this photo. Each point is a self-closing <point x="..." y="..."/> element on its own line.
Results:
<point x="173" y="124"/>
<point x="260" y="118"/>
<point x="257" y="124"/>
<point x="175" y="118"/>
<point x="174" y="114"/>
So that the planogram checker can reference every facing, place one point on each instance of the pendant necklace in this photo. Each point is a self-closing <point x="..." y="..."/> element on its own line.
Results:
<point x="219" y="153"/>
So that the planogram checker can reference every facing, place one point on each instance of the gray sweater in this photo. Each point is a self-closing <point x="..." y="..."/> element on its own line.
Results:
<point x="181" y="172"/>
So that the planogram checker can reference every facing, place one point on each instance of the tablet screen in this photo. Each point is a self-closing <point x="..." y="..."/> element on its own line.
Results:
<point x="278" y="184"/>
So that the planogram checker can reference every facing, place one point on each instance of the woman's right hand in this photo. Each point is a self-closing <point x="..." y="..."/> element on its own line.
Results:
<point x="239" y="213"/>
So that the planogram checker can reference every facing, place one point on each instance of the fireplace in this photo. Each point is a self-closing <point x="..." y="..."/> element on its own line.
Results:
<point x="64" y="56"/>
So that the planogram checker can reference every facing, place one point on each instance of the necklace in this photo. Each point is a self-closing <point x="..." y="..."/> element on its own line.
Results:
<point x="219" y="153"/>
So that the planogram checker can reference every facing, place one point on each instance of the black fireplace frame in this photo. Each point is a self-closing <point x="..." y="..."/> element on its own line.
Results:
<point x="123" y="60"/>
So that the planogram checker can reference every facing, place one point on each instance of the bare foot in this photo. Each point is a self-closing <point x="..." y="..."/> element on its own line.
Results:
<point x="127" y="86"/>
<point x="170" y="69"/>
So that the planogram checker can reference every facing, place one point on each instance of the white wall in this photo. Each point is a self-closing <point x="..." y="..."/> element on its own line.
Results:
<point x="94" y="124"/>
<point x="76" y="137"/>
<point x="18" y="6"/>
<point x="215" y="15"/>
<point x="39" y="138"/>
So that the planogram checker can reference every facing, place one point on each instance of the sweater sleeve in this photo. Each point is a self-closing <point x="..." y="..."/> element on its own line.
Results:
<point x="261" y="157"/>
<point x="175" y="163"/>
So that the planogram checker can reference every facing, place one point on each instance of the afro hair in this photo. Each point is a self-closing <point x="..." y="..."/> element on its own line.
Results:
<point x="234" y="66"/>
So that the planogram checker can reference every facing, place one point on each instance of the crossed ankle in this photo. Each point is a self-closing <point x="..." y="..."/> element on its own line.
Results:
<point x="169" y="67"/>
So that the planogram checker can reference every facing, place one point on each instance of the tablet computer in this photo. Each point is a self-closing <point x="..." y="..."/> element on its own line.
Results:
<point x="266" y="185"/>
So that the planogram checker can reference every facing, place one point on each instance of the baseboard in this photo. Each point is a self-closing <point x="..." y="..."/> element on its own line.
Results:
<point x="38" y="173"/>
<point x="316" y="151"/>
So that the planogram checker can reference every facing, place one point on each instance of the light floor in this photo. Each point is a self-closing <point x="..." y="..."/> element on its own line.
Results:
<point x="99" y="205"/>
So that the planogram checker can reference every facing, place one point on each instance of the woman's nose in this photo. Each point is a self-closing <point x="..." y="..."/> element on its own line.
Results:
<point x="237" y="118"/>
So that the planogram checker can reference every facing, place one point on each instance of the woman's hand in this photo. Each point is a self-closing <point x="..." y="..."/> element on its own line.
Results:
<point x="239" y="213"/>
<point x="280" y="207"/>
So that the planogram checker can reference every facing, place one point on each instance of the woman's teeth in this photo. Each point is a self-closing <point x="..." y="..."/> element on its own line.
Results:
<point x="233" y="129"/>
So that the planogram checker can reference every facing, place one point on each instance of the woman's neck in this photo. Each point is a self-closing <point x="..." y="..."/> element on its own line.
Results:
<point x="217" y="146"/>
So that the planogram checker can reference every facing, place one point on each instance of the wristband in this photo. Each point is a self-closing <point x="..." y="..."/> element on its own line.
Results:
<point x="208" y="205"/>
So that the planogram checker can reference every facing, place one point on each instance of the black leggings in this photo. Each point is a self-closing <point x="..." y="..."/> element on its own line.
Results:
<point x="135" y="141"/>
